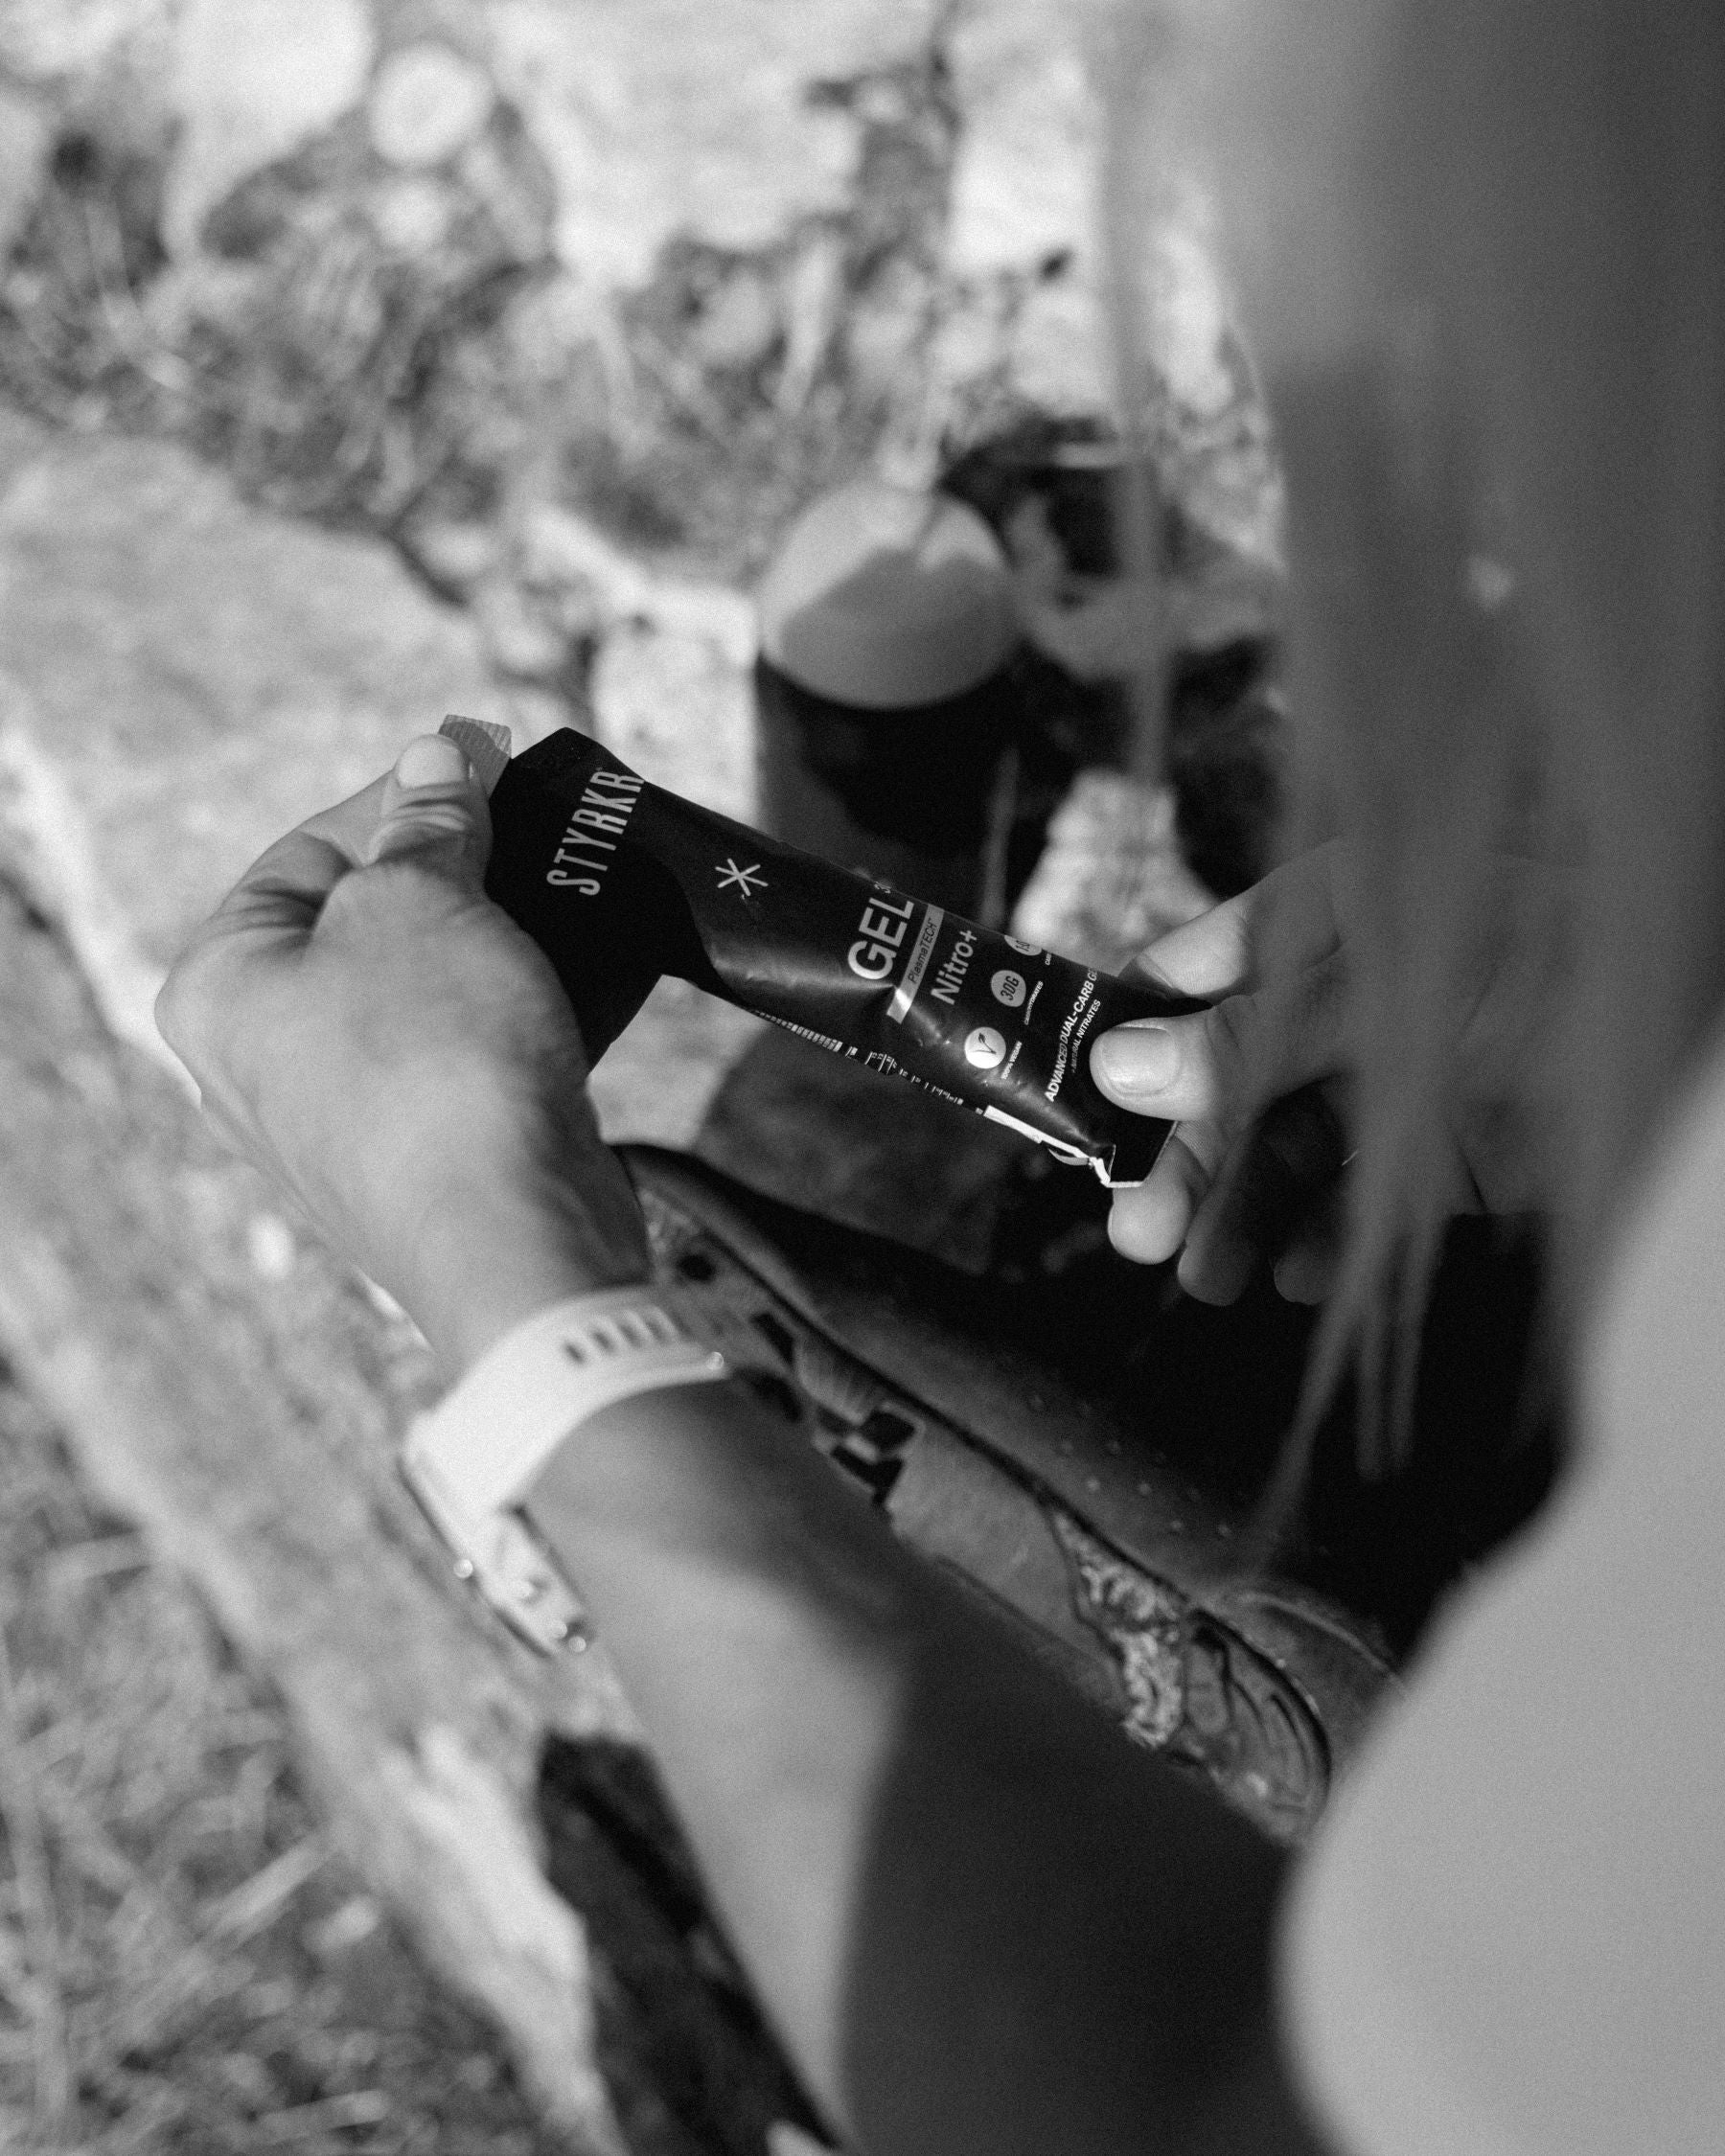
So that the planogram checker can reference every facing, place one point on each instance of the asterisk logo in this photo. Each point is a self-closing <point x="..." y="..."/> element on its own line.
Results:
<point x="744" y="880"/>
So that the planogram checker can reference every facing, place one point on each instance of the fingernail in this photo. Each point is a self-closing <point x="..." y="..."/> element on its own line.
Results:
<point x="1138" y="1058"/>
<point x="431" y="760"/>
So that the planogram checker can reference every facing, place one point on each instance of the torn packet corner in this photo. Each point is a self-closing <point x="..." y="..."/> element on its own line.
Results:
<point x="486" y="746"/>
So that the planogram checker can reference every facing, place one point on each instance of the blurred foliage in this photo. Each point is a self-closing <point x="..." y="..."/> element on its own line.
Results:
<point x="373" y="348"/>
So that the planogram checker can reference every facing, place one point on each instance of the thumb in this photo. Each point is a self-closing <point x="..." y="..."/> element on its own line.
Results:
<point x="433" y="809"/>
<point x="1180" y="1069"/>
<point x="1223" y="1064"/>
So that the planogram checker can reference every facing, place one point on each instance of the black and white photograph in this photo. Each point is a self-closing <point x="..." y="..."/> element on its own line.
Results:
<point x="862" y="1078"/>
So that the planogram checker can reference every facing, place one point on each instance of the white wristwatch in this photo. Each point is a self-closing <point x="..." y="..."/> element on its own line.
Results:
<point x="471" y="1459"/>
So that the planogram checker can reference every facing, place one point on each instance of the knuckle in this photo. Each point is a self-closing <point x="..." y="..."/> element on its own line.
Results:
<point x="432" y="835"/>
<point x="401" y="886"/>
<point x="1201" y="1141"/>
<point x="429" y="822"/>
<point x="1316" y="1018"/>
<point x="169" y="1011"/>
<point x="202" y="1011"/>
<point x="1230" y="1032"/>
<point x="392" y="887"/>
<point x="1267" y="1043"/>
<point x="183" y="1005"/>
<point x="1206" y="956"/>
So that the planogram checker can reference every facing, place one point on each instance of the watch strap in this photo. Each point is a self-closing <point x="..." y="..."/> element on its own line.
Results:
<point x="471" y="1459"/>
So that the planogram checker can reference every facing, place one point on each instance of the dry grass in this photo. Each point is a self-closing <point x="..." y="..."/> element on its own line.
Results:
<point x="185" y="1966"/>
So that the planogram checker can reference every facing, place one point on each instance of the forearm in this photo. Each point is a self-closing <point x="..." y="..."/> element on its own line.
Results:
<point x="978" y="1918"/>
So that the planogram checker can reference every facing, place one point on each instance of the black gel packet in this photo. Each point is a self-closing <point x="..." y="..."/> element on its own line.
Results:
<point x="619" y="881"/>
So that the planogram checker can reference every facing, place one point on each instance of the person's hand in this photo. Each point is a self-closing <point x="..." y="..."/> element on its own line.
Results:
<point x="382" y="1040"/>
<point x="1233" y="1188"/>
<point x="1259" y="1086"/>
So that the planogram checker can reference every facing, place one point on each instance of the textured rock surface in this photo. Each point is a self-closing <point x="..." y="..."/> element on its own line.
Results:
<point x="677" y="707"/>
<point x="22" y="441"/>
<point x="47" y="39"/>
<point x="426" y="104"/>
<point x="662" y="118"/>
<point x="680" y="711"/>
<point x="1024" y="174"/>
<point x="205" y="675"/>
<point x="186" y="678"/>
<point x="25" y="139"/>
<point x="252" y="79"/>
<point x="781" y="239"/>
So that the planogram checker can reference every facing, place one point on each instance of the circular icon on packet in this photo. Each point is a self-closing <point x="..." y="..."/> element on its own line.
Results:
<point x="1009" y="988"/>
<point x="1024" y="950"/>
<point x="984" y="1048"/>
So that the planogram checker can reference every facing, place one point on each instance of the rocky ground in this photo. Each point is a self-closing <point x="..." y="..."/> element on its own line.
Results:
<point x="363" y="360"/>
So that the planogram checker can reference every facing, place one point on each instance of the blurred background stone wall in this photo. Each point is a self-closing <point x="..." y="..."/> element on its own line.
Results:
<point x="442" y="268"/>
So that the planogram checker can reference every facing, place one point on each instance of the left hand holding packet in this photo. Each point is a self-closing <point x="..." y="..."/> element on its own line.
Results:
<point x="399" y="1058"/>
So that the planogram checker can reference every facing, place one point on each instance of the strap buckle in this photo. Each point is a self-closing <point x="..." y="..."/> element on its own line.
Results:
<point x="501" y="1558"/>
